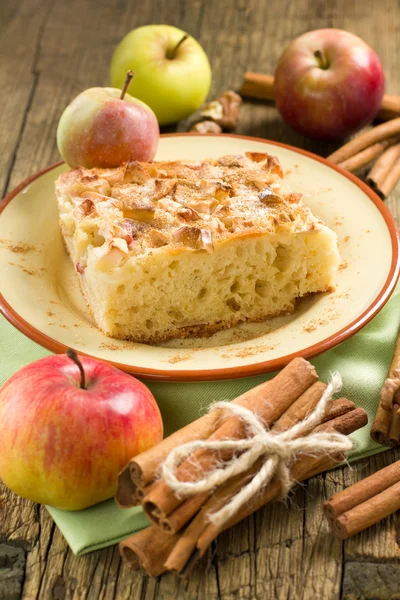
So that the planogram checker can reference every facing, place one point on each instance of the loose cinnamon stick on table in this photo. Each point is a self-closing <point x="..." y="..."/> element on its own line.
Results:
<point x="393" y="437"/>
<point x="390" y="108"/>
<point x="364" y="503"/>
<point x="382" y="168"/>
<point x="384" y="428"/>
<point x="362" y="491"/>
<point x="365" y="156"/>
<point x="368" y="138"/>
<point x="390" y="181"/>
<point x="269" y="401"/>
<point x="257" y="85"/>
<point x="370" y="512"/>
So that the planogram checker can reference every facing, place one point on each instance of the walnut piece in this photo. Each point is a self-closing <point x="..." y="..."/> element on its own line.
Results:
<point x="224" y="110"/>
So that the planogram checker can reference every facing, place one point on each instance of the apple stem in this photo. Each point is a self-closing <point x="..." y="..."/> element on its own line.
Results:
<point x="129" y="76"/>
<point x="323" y="63"/>
<point x="172" y="53"/>
<point x="73" y="356"/>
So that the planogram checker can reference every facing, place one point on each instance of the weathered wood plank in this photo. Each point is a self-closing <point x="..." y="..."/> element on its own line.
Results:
<point x="21" y="28"/>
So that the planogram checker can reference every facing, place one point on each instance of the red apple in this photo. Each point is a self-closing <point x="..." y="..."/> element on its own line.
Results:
<point x="66" y="432"/>
<point x="104" y="127"/>
<point x="328" y="84"/>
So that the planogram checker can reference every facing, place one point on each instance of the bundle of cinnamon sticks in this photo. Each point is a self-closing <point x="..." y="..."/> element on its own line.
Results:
<point x="181" y="531"/>
<point x="365" y="503"/>
<point x="380" y="144"/>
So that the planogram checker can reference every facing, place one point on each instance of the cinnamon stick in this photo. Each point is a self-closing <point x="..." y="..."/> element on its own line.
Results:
<point x="365" y="156"/>
<point x="384" y="429"/>
<point x="390" y="181"/>
<point x="148" y="549"/>
<point x="126" y="495"/>
<point x="368" y="138"/>
<point x="345" y="423"/>
<point x="257" y="85"/>
<point x="337" y="408"/>
<point x="390" y="108"/>
<point x="362" y="491"/>
<point x="269" y="401"/>
<point x="394" y="429"/>
<point x="382" y="167"/>
<point x="301" y="408"/>
<point x="381" y="426"/>
<point x="373" y="509"/>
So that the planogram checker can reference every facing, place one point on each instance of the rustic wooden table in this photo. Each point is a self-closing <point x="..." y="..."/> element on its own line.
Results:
<point x="50" y="50"/>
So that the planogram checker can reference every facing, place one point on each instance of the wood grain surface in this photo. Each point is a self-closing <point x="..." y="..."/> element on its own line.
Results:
<point x="50" y="50"/>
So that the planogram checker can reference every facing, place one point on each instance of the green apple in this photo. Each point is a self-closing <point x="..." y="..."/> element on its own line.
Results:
<point x="172" y="72"/>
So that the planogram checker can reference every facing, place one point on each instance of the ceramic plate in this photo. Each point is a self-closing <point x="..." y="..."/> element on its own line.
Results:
<point x="41" y="297"/>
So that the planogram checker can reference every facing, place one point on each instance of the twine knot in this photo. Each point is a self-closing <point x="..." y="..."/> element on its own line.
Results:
<point x="276" y="449"/>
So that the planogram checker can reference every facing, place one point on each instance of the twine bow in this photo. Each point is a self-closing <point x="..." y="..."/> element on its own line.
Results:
<point x="278" y="450"/>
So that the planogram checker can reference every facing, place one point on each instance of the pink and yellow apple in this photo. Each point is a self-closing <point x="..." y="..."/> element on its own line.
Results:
<point x="64" y="439"/>
<point x="172" y="72"/>
<point x="101" y="129"/>
<point x="328" y="84"/>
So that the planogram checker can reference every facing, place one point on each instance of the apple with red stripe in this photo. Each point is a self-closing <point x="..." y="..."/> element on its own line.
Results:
<point x="68" y="425"/>
<point x="105" y="127"/>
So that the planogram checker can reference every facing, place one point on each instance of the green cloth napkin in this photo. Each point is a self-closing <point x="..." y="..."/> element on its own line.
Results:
<point x="363" y="362"/>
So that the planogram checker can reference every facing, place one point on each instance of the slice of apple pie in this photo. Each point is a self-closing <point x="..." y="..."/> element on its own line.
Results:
<point x="178" y="249"/>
